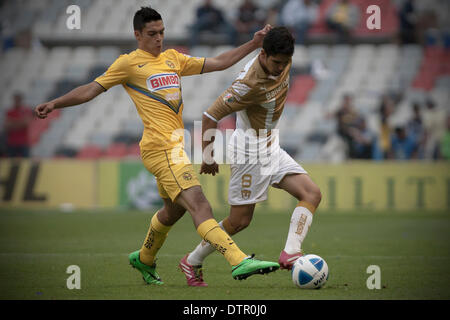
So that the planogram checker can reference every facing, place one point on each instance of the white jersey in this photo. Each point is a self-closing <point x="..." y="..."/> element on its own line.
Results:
<point x="258" y="100"/>
<point x="254" y="152"/>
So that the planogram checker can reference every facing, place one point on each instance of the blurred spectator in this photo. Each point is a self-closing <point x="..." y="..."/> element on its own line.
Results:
<point x="347" y="119"/>
<point x="2" y="142"/>
<point x="386" y="109"/>
<point x="362" y="142"/>
<point x="408" y="22"/>
<point x="403" y="146"/>
<point x="343" y="17"/>
<point x="445" y="142"/>
<point x="24" y="39"/>
<point x="272" y="16"/>
<point x="250" y="18"/>
<point x="298" y="16"/>
<point x="428" y="27"/>
<point x="416" y="130"/>
<point x="212" y="20"/>
<point x="18" y="119"/>
<point x="435" y="126"/>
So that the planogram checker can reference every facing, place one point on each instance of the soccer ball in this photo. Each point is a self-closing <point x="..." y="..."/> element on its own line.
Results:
<point x="309" y="272"/>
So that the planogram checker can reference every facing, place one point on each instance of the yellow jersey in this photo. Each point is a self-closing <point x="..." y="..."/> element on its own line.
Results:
<point x="154" y="85"/>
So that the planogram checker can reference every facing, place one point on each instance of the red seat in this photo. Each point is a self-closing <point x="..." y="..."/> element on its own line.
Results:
<point x="134" y="150"/>
<point x="90" y="152"/>
<point x="36" y="128"/>
<point x="435" y="53"/>
<point x="320" y="26"/>
<point x="116" y="150"/>
<point x="39" y="126"/>
<point x="300" y="89"/>
<point x="434" y="64"/>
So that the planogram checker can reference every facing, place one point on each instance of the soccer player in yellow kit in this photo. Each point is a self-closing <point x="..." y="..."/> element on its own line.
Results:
<point x="152" y="79"/>
<point x="258" y="96"/>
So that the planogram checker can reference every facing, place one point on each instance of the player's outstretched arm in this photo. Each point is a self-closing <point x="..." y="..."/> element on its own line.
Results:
<point x="209" y="166"/>
<point x="229" y="58"/>
<point x="75" y="97"/>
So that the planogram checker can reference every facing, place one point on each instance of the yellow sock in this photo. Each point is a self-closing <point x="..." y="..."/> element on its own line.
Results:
<point x="157" y="234"/>
<point x="212" y="233"/>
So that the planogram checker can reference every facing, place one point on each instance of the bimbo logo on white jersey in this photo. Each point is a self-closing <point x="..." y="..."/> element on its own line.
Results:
<point x="161" y="81"/>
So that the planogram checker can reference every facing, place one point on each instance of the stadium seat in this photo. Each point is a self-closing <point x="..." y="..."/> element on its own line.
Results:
<point x="320" y="27"/>
<point x="39" y="126"/>
<point x="65" y="152"/>
<point x="90" y="152"/>
<point x="365" y="70"/>
<point x="116" y="150"/>
<point x="134" y="151"/>
<point x="434" y="64"/>
<point x="300" y="89"/>
<point x="100" y="139"/>
<point x="318" y="52"/>
<point x="107" y="55"/>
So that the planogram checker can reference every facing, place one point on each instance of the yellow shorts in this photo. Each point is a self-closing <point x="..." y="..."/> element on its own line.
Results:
<point x="172" y="169"/>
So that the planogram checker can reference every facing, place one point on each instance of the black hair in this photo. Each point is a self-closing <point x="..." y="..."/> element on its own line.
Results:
<point x="279" y="41"/>
<point x="144" y="15"/>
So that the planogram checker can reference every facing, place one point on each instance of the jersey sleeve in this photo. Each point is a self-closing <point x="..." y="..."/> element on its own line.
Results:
<point x="190" y="65"/>
<point x="235" y="98"/>
<point x="116" y="74"/>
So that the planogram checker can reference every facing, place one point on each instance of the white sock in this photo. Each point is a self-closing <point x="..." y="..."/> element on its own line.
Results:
<point x="301" y="220"/>
<point x="204" y="249"/>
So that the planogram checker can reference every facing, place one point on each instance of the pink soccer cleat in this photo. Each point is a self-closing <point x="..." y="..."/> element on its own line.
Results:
<point x="286" y="260"/>
<point x="194" y="274"/>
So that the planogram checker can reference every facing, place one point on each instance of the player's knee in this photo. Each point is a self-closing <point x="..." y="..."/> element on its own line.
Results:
<point x="240" y="225"/>
<point x="313" y="195"/>
<point x="168" y="216"/>
<point x="317" y="196"/>
<point x="198" y="204"/>
<point x="203" y="207"/>
<point x="244" y="224"/>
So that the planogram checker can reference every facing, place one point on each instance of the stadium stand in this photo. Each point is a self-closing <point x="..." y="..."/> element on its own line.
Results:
<point x="58" y="59"/>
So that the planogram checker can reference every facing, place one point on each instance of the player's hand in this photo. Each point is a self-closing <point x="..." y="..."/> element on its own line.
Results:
<point x="44" y="109"/>
<point x="212" y="168"/>
<point x="258" y="37"/>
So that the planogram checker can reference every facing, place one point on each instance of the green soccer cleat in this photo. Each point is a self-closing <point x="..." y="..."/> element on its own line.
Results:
<point x="149" y="273"/>
<point x="252" y="266"/>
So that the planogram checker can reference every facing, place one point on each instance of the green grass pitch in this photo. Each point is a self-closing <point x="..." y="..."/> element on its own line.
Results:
<point x="36" y="247"/>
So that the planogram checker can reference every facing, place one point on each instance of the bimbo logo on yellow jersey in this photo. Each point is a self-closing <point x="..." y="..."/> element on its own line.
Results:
<point x="161" y="81"/>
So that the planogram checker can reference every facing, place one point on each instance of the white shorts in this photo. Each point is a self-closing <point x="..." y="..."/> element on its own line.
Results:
<point x="249" y="183"/>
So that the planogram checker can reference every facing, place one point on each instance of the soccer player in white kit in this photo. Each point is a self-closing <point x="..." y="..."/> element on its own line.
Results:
<point x="257" y="96"/>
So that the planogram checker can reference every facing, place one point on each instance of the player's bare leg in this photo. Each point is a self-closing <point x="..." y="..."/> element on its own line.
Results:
<point x="301" y="187"/>
<point x="194" y="201"/>
<point x="170" y="213"/>
<point x="239" y="218"/>
<point x="308" y="194"/>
